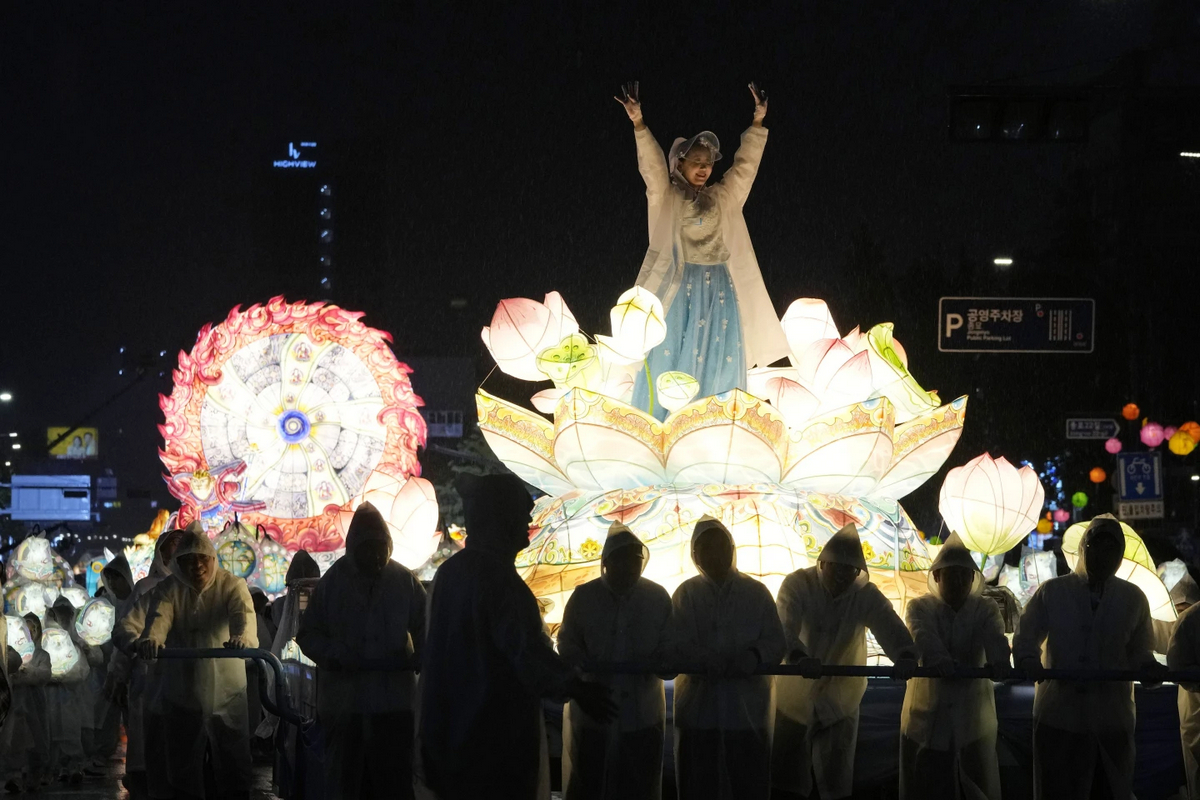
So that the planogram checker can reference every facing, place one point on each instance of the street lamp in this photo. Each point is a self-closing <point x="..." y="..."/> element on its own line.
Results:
<point x="1002" y="262"/>
<point x="5" y="397"/>
<point x="16" y="446"/>
<point x="1186" y="154"/>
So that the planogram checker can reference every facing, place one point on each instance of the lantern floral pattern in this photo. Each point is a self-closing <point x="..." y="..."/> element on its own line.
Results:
<point x="840" y="436"/>
<point x="279" y="415"/>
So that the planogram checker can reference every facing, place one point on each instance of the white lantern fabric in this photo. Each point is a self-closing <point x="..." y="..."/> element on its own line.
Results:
<point x="522" y="328"/>
<point x="410" y="509"/>
<point x="991" y="504"/>
<point x="638" y="325"/>
<point x="19" y="637"/>
<point x="65" y="659"/>
<point x="94" y="622"/>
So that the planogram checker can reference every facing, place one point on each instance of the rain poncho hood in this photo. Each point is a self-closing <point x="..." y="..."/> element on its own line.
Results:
<point x="681" y="146"/>
<point x="703" y="526"/>
<point x="118" y="566"/>
<point x="844" y="547"/>
<point x="303" y="566"/>
<point x="1103" y="525"/>
<point x="158" y="567"/>
<point x="955" y="554"/>
<point x="367" y="525"/>
<point x="194" y="543"/>
<point x="618" y="537"/>
<point x="496" y="509"/>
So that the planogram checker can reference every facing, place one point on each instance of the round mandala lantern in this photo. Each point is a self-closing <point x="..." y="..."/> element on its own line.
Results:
<point x="280" y="414"/>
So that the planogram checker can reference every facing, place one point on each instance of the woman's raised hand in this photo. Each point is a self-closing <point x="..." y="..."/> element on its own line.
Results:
<point x="633" y="106"/>
<point x="760" y="102"/>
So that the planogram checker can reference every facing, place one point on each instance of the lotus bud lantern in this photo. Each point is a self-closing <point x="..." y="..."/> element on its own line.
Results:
<point x="1113" y="446"/>
<point x="991" y="504"/>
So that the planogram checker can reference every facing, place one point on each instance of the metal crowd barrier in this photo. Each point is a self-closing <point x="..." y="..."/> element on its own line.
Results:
<point x="837" y="670"/>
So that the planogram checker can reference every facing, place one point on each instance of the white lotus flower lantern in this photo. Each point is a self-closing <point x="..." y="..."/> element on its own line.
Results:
<point x="637" y="326"/>
<point x="411" y="511"/>
<point x="991" y="504"/>
<point x="522" y="328"/>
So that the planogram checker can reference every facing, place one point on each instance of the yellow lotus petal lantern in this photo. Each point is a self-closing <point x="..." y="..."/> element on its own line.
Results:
<point x="1181" y="443"/>
<point x="675" y="389"/>
<point x="410" y="509"/>
<point x="571" y="362"/>
<point x="991" y="504"/>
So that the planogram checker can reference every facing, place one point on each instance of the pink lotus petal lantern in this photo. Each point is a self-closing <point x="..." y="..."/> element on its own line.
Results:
<point x="1169" y="431"/>
<point x="1152" y="434"/>
<point x="411" y="511"/>
<point x="1113" y="446"/>
<point x="1061" y="516"/>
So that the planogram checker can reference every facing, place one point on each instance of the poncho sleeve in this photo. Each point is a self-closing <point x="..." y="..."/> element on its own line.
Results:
<point x="888" y="628"/>
<point x="1183" y="652"/>
<point x="922" y="622"/>
<point x="240" y="608"/>
<point x="771" y="644"/>
<point x="790" y="607"/>
<point x="314" y="635"/>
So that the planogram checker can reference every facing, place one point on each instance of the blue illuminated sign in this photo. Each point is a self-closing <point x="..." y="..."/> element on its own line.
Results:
<point x="294" y="159"/>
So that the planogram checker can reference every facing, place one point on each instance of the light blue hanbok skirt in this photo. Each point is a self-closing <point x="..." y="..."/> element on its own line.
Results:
<point x="704" y="337"/>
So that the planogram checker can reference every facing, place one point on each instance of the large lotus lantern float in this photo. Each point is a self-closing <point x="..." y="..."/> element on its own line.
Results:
<point x="991" y="504"/>
<point x="838" y="437"/>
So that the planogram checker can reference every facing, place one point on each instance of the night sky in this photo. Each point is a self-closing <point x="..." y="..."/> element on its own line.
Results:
<point x="480" y="156"/>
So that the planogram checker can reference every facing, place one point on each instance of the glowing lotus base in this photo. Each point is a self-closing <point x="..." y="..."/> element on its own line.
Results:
<point x="837" y="437"/>
<point x="776" y="530"/>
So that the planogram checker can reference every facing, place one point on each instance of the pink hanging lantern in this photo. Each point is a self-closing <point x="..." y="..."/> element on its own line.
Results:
<point x="1061" y="515"/>
<point x="1152" y="434"/>
<point x="1113" y="446"/>
<point x="1169" y="431"/>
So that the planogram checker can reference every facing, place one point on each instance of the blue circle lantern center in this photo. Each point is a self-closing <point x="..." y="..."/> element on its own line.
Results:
<point x="294" y="426"/>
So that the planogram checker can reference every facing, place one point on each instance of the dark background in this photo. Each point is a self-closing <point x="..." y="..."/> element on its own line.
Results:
<point x="477" y="154"/>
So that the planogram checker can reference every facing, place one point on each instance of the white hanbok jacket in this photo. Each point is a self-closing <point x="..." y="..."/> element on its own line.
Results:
<point x="662" y="267"/>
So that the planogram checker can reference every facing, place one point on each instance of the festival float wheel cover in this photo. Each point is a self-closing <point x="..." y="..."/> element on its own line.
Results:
<point x="280" y="414"/>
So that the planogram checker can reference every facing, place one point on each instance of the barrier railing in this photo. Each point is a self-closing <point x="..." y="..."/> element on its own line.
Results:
<point x="836" y="670"/>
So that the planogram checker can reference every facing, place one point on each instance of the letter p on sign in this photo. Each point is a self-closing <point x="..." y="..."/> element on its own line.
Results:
<point x="953" y="323"/>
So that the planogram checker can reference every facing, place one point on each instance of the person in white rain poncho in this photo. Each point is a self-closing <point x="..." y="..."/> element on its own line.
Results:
<point x="1184" y="653"/>
<point x="617" y="617"/>
<point x="365" y="619"/>
<point x="700" y="263"/>
<point x="487" y="663"/>
<point x="1090" y="619"/>
<point x="25" y="737"/>
<point x="948" y="727"/>
<point x="136" y="684"/>
<point x="826" y="611"/>
<point x="726" y="624"/>
<point x="202" y="606"/>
